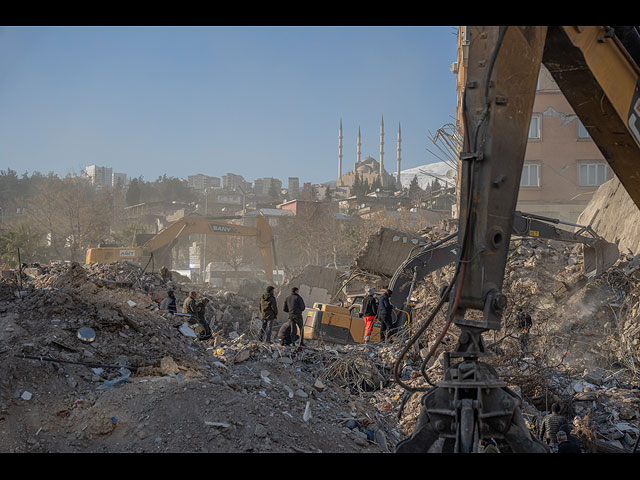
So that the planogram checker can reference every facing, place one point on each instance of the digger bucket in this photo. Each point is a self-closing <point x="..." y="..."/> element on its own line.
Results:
<point x="599" y="257"/>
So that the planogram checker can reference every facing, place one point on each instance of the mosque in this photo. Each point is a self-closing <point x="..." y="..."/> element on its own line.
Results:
<point x="369" y="168"/>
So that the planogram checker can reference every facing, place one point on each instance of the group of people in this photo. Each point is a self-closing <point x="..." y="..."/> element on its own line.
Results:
<point x="382" y="309"/>
<point x="190" y="306"/>
<point x="555" y="432"/>
<point x="294" y="306"/>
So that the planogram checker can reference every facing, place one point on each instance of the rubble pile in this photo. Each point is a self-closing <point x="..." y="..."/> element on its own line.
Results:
<point x="145" y="384"/>
<point x="581" y="348"/>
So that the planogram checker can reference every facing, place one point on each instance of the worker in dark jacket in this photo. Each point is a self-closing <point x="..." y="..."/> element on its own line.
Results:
<point x="190" y="305"/>
<point x="524" y="325"/>
<point x="294" y="306"/>
<point x="551" y="425"/>
<point x="200" y="317"/>
<point x="369" y="312"/>
<point x="284" y="334"/>
<point x="570" y="443"/>
<point x="385" y="314"/>
<point x="169" y="302"/>
<point x="269" y="312"/>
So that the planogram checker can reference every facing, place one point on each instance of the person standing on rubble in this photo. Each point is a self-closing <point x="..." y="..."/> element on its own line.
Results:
<point x="190" y="306"/>
<point x="197" y="311"/>
<point x="369" y="312"/>
<point x="551" y="425"/>
<point x="269" y="311"/>
<point x="169" y="302"/>
<point x="524" y="324"/>
<point x="201" y="317"/>
<point x="385" y="314"/>
<point x="294" y="306"/>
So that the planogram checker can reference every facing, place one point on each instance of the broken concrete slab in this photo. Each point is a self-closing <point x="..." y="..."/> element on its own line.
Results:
<point x="385" y="250"/>
<point x="316" y="285"/>
<point x="614" y="216"/>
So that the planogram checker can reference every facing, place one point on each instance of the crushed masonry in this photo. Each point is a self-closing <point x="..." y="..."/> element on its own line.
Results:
<point x="235" y="393"/>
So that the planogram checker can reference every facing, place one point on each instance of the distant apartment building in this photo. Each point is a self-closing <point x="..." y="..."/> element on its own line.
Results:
<point x="231" y="181"/>
<point x="105" y="176"/>
<point x="119" y="179"/>
<point x="293" y="186"/>
<point x="102" y="176"/>
<point x="262" y="186"/>
<point x="201" y="182"/>
<point x="563" y="167"/>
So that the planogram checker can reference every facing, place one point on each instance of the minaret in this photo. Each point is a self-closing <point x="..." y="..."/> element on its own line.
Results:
<point x="339" y="182"/>
<point x="359" y="145"/>
<point x="398" y="158"/>
<point x="382" y="151"/>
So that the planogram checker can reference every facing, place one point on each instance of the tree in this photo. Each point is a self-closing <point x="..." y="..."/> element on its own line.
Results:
<point x="357" y="187"/>
<point x="414" y="188"/>
<point x="30" y="243"/>
<point x="73" y="214"/>
<point x="133" y="193"/>
<point x="376" y="184"/>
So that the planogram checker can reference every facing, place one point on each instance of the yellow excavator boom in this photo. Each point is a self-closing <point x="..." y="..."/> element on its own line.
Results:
<point x="164" y="241"/>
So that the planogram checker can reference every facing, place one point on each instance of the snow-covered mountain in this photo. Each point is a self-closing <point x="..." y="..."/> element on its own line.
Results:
<point x="426" y="174"/>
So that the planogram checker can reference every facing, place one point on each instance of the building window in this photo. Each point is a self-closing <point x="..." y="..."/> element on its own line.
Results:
<point x="582" y="132"/>
<point x="530" y="175"/>
<point x="534" y="126"/>
<point x="591" y="174"/>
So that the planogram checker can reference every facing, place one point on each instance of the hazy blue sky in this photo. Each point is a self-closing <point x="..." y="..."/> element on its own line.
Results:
<point x="256" y="101"/>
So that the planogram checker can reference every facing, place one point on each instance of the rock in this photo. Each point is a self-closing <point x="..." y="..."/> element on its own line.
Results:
<point x="168" y="366"/>
<point x="242" y="356"/>
<point x="131" y="303"/>
<point x="187" y="331"/>
<point x="301" y="393"/>
<point x="595" y="377"/>
<point x="221" y="367"/>
<point x="26" y="395"/>
<point x="260" y="431"/>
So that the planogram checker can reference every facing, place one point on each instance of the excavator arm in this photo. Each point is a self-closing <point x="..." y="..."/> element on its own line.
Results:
<point x="598" y="75"/>
<point x="163" y="242"/>
<point x="598" y="254"/>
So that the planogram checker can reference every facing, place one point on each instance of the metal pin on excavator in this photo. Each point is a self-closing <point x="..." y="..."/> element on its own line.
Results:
<point x="597" y="70"/>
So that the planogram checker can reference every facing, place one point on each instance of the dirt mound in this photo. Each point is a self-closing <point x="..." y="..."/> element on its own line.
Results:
<point x="146" y="385"/>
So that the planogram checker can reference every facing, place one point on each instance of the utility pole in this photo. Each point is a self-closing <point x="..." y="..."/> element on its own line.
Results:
<point x="204" y="249"/>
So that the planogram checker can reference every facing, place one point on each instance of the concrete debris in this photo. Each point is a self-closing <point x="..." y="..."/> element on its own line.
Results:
<point x="259" y="396"/>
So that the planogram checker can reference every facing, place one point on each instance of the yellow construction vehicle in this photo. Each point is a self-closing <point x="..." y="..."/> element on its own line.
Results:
<point x="159" y="246"/>
<point x="335" y="324"/>
<point x="597" y="68"/>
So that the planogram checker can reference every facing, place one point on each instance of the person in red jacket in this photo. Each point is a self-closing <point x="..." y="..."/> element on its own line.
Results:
<point x="369" y="312"/>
